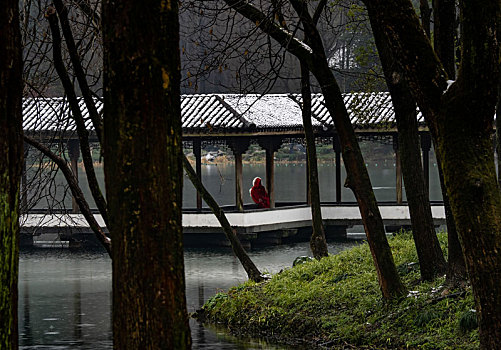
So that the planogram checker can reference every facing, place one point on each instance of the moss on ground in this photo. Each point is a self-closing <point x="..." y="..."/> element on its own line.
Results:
<point x="336" y="301"/>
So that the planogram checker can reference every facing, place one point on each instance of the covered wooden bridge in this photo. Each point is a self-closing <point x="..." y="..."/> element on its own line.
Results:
<point x="239" y="120"/>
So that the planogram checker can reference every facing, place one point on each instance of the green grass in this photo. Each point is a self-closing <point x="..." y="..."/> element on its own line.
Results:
<point x="337" y="301"/>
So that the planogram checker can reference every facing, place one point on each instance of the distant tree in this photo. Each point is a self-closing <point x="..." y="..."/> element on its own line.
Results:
<point x="460" y="115"/>
<point x="143" y="173"/>
<point x="11" y="153"/>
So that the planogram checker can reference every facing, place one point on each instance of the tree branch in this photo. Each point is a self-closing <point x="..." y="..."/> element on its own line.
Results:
<point x="277" y="32"/>
<point x="75" y="190"/>
<point x="424" y="72"/>
<point x="77" y="115"/>
<point x="251" y="269"/>
<point x="86" y="8"/>
<point x="62" y="12"/>
<point x="319" y="10"/>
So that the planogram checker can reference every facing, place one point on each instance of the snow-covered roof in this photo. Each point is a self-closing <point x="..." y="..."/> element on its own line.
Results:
<point x="53" y="114"/>
<point x="231" y="112"/>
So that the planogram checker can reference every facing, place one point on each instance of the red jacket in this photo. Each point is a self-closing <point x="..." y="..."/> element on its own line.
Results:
<point x="259" y="195"/>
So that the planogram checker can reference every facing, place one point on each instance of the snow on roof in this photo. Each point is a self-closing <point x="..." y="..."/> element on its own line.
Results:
<point x="203" y="113"/>
<point x="268" y="111"/>
<point x="53" y="114"/>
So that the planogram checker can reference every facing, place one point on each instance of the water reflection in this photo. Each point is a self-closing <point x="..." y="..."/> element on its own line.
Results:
<point x="65" y="297"/>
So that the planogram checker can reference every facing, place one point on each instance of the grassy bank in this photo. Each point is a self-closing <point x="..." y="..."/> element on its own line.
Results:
<point x="336" y="303"/>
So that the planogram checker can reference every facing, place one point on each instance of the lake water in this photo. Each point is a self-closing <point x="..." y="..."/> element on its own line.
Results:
<point x="65" y="297"/>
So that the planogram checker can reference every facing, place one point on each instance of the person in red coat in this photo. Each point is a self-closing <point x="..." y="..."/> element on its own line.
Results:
<point x="258" y="194"/>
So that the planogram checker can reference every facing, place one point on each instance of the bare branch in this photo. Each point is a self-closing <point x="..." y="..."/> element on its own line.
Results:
<point x="251" y="269"/>
<point x="277" y="32"/>
<point x="62" y="12"/>
<point x="75" y="190"/>
<point x="77" y="115"/>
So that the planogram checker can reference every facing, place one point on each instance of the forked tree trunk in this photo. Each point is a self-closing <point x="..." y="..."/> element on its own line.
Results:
<point x="318" y="243"/>
<point x="11" y="160"/>
<point x="461" y="115"/>
<point x="143" y="173"/>
<point x="431" y="258"/>
<point x="476" y="202"/>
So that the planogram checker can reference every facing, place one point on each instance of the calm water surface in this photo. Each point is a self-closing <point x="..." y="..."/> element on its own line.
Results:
<point x="65" y="297"/>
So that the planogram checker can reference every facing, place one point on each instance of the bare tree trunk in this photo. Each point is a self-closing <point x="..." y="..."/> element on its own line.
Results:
<point x="252" y="271"/>
<point x="444" y="33"/>
<point x="11" y="160"/>
<point x="318" y="243"/>
<point x="143" y="173"/>
<point x="456" y="267"/>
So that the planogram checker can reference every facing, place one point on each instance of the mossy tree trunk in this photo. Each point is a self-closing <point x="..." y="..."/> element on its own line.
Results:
<point x="431" y="258"/>
<point x="498" y="133"/>
<point x="461" y="117"/>
<point x="143" y="173"/>
<point x="358" y="180"/>
<point x="11" y="160"/>
<point x="444" y="18"/>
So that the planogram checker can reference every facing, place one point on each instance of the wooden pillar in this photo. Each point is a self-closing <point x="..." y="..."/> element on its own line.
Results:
<point x="239" y="146"/>
<point x="337" y="149"/>
<point x="425" y="147"/>
<point x="270" y="176"/>
<point x="270" y="145"/>
<point x="74" y="153"/>
<point x="24" y="181"/>
<point x="197" y="152"/>
<point x="497" y="149"/>
<point x="239" y="192"/>
<point x="308" y="192"/>
<point x="398" y="170"/>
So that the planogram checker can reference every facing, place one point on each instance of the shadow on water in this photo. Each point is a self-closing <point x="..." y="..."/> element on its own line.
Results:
<point x="65" y="296"/>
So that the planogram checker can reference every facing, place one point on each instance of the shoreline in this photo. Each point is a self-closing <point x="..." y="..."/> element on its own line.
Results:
<point x="336" y="303"/>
